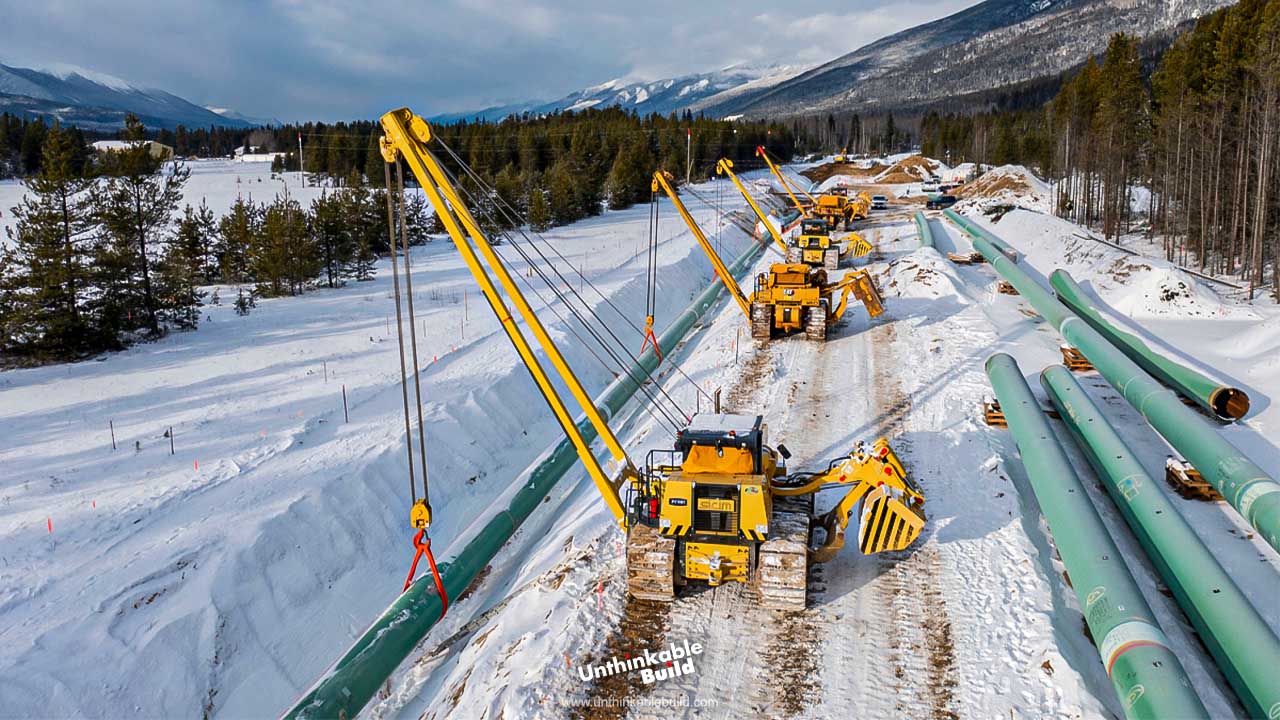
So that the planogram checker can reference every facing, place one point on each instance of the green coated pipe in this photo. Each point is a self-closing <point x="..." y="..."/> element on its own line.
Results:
<point x="350" y="683"/>
<point x="1226" y="403"/>
<point x="1249" y="489"/>
<point x="922" y="229"/>
<point x="1243" y="645"/>
<point x="1146" y="675"/>
<point x="976" y="231"/>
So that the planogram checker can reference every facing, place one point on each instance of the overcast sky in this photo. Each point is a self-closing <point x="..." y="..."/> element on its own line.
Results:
<point x="325" y="60"/>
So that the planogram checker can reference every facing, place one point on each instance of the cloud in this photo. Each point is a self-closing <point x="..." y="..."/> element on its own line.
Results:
<point x="329" y="60"/>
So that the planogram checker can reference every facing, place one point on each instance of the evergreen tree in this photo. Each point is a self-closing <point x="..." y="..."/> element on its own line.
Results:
<point x="629" y="178"/>
<point x="135" y="205"/>
<point x="562" y="193"/>
<point x="366" y="211"/>
<point x="510" y="191"/>
<point x="334" y="240"/>
<point x="237" y="231"/>
<point x="418" y="218"/>
<point x="539" y="214"/>
<point x="47" y="278"/>
<point x="197" y="233"/>
<point x="178" y="277"/>
<point x="245" y="301"/>
<point x="282" y="258"/>
<point x="374" y="173"/>
<point x="890" y="140"/>
<point x="1121" y="124"/>
<point x="32" y="147"/>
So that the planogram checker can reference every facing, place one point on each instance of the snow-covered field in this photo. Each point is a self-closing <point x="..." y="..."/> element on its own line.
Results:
<point x="216" y="182"/>
<point x="168" y="588"/>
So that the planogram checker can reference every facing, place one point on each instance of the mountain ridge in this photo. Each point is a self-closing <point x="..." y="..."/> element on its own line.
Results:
<point x="993" y="44"/>
<point x="996" y="43"/>
<point x="95" y="101"/>
<point x="662" y="96"/>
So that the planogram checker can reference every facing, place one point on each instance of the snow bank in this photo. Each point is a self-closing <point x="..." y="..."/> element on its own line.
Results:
<point x="1167" y="291"/>
<point x="924" y="273"/>
<point x="1006" y="185"/>
<point x="1138" y="286"/>
<point x="909" y="169"/>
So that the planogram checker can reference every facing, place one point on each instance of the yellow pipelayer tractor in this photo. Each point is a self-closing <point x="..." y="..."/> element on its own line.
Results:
<point x="716" y="508"/>
<point x="840" y="209"/>
<point x="815" y="232"/>
<point x="790" y="296"/>
<point x="814" y="246"/>
<point x="720" y="508"/>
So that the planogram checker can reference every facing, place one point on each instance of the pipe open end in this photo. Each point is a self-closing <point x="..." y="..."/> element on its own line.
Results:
<point x="1230" y="403"/>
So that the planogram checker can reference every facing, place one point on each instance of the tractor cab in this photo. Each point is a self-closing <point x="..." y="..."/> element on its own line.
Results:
<point x="815" y="234"/>
<point x="722" y="444"/>
<point x="815" y="226"/>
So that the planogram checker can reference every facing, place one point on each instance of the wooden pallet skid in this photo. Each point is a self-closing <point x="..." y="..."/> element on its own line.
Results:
<point x="1187" y="481"/>
<point x="994" y="416"/>
<point x="973" y="258"/>
<point x="1074" y="359"/>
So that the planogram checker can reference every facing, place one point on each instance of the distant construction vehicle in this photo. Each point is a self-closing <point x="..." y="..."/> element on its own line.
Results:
<point x="789" y="297"/>
<point x="716" y="508"/>
<point x="840" y="208"/>
<point x="814" y="246"/>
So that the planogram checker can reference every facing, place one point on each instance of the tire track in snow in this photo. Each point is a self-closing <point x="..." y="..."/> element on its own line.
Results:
<point x="922" y="644"/>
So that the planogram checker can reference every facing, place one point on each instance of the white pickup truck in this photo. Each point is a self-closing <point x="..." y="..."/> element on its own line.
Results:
<point x="879" y="202"/>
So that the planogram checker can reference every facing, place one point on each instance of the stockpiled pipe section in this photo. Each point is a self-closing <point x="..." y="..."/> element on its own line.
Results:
<point x="976" y="231"/>
<point x="922" y="229"/>
<point x="1250" y="490"/>
<point x="1226" y="403"/>
<point x="1144" y="672"/>
<point x="1243" y="645"/>
<point x="347" y="686"/>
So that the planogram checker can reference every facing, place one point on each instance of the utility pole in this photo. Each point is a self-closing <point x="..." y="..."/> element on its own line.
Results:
<point x="301" y="170"/>
<point x="688" y="154"/>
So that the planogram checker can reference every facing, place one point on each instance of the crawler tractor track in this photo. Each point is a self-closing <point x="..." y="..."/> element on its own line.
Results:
<point x="783" y="570"/>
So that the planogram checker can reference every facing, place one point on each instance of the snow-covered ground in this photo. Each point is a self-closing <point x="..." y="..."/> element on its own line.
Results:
<point x="215" y="182"/>
<point x="171" y="589"/>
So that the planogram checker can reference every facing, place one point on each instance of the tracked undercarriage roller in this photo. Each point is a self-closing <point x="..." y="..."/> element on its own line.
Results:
<point x="782" y="575"/>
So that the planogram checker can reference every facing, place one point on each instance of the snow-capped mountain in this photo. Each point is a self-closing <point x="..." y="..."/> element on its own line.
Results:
<point x="95" y="101"/>
<point x="993" y="44"/>
<point x="660" y="96"/>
